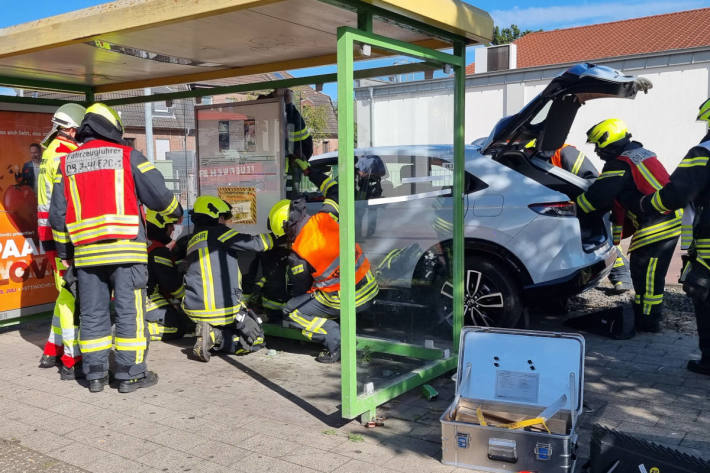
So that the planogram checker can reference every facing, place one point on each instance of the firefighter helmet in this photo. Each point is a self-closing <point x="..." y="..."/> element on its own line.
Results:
<point x="704" y="112"/>
<point x="278" y="215"/>
<point x="157" y="219"/>
<point x="68" y="115"/>
<point x="209" y="206"/>
<point x="225" y="210"/>
<point x="107" y="113"/>
<point x="607" y="132"/>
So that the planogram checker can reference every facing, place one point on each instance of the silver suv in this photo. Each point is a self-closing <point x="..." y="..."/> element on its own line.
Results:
<point x="524" y="240"/>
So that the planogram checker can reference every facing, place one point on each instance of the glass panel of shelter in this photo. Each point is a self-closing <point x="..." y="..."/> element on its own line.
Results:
<point x="404" y="226"/>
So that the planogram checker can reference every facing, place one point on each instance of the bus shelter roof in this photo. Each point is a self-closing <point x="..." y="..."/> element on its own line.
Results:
<point x="130" y="44"/>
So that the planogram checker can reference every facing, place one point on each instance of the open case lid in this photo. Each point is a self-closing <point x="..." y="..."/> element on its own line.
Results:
<point x="521" y="367"/>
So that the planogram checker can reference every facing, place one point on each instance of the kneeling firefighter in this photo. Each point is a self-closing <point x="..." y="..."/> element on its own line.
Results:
<point x="690" y="183"/>
<point x="213" y="293"/>
<point x="315" y="265"/>
<point x="630" y="172"/>
<point x="165" y="319"/>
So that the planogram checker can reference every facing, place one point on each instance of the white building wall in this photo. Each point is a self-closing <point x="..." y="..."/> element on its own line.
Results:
<point x="663" y="120"/>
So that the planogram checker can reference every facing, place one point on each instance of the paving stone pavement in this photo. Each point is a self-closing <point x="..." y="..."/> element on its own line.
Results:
<point x="281" y="413"/>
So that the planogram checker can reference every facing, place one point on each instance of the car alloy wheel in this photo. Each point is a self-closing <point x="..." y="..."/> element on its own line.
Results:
<point x="483" y="302"/>
<point x="492" y="296"/>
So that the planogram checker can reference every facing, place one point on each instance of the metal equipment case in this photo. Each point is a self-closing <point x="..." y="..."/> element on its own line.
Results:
<point x="509" y="376"/>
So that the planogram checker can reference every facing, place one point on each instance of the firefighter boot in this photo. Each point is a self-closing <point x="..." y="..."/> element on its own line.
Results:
<point x="71" y="373"/>
<point x="97" y="385"/>
<point x="329" y="355"/>
<point x="129" y="385"/>
<point x="48" y="361"/>
<point x="206" y="338"/>
<point x="621" y="287"/>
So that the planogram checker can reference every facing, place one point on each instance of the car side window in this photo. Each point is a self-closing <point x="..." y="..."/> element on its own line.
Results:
<point x="410" y="175"/>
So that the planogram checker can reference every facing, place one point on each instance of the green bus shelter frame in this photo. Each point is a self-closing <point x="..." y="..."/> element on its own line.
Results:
<point x="437" y="361"/>
<point x="354" y="404"/>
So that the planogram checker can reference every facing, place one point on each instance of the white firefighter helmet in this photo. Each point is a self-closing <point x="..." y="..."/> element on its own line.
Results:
<point x="69" y="115"/>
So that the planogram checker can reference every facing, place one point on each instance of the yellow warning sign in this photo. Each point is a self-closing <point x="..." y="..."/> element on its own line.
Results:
<point x="243" y="202"/>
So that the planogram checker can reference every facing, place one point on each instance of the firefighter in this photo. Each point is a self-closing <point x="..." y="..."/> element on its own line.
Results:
<point x="573" y="160"/>
<point x="165" y="319"/>
<point x="314" y="265"/>
<point x="568" y="158"/>
<point x="213" y="293"/>
<point x="690" y="184"/>
<point x="62" y="341"/>
<point x="298" y="143"/>
<point x="630" y="172"/>
<point x="96" y="220"/>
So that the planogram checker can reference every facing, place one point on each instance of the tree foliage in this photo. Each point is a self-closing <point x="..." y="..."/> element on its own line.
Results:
<point x="316" y="117"/>
<point x="508" y="35"/>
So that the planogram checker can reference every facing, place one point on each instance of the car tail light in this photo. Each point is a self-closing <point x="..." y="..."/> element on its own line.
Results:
<point x="555" y="209"/>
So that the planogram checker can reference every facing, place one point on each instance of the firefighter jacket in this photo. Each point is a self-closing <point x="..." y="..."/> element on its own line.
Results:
<point x="58" y="147"/>
<point x="267" y="277"/>
<point x="315" y="250"/>
<point x="213" y="289"/>
<point x="96" y="204"/>
<point x="573" y="160"/>
<point x="689" y="184"/>
<point x="624" y="180"/>
<point x="299" y="143"/>
<point x="164" y="279"/>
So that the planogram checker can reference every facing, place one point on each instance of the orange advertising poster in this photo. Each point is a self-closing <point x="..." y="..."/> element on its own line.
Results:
<point x="26" y="278"/>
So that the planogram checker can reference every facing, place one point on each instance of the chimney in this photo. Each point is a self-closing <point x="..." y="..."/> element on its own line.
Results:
<point x="501" y="57"/>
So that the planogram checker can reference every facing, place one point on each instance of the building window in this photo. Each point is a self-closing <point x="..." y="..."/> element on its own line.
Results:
<point x="161" y="109"/>
<point x="326" y="146"/>
<point x="130" y="142"/>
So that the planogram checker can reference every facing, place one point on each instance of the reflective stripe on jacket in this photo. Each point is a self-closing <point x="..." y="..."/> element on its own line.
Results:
<point x="51" y="157"/>
<point x="99" y="168"/>
<point x="621" y="185"/>
<point x="318" y="243"/>
<point x="213" y="291"/>
<point x="164" y="279"/>
<point x="648" y="175"/>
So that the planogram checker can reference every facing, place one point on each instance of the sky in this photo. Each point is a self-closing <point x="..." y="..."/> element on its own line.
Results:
<point x="532" y="15"/>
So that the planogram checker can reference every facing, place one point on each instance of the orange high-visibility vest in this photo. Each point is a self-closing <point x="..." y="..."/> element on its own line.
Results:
<point x="556" y="159"/>
<point x="319" y="243"/>
<point x="100" y="193"/>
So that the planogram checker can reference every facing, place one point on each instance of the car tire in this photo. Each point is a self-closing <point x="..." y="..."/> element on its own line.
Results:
<point x="492" y="294"/>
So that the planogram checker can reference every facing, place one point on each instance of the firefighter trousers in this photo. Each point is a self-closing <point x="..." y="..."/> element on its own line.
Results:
<point x="167" y="323"/>
<point x="63" y="334"/>
<point x="313" y="312"/>
<point x="620" y="273"/>
<point x="649" y="265"/>
<point x="128" y="283"/>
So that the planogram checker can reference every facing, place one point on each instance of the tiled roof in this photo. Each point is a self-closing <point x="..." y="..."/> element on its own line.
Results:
<point x="680" y="30"/>
<point x="471" y="69"/>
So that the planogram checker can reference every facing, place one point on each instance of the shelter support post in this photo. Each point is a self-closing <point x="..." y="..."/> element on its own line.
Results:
<point x="459" y="166"/>
<point x="353" y="403"/>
